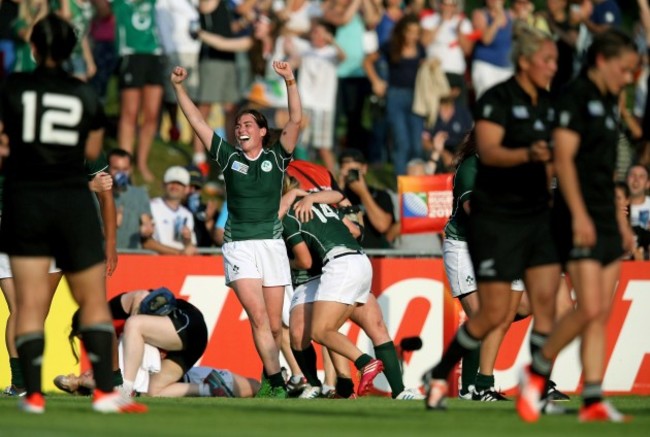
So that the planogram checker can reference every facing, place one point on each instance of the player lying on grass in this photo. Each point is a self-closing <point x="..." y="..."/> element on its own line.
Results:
<point x="175" y="331"/>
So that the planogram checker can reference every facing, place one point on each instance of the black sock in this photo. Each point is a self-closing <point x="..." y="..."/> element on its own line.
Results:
<point x="306" y="359"/>
<point x="17" y="379"/>
<point x="537" y="340"/>
<point x="484" y="382"/>
<point x="470" y="368"/>
<point x="98" y="342"/>
<point x="360" y="362"/>
<point x="344" y="387"/>
<point x="117" y="378"/>
<point x="592" y="393"/>
<point x="388" y="355"/>
<point x="30" y="353"/>
<point x="462" y="343"/>
<point x="276" y="380"/>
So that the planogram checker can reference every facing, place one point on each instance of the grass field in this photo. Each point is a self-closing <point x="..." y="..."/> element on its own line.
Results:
<point x="71" y="416"/>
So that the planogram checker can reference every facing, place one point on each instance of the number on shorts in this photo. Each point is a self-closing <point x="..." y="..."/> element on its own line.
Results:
<point x="325" y="211"/>
<point x="61" y="114"/>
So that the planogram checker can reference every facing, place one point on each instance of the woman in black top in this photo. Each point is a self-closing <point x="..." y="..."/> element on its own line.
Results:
<point x="591" y="232"/>
<point x="53" y="122"/>
<point x="508" y="231"/>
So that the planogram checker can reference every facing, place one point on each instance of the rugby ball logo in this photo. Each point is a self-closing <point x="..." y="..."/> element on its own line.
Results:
<point x="267" y="166"/>
<point x="415" y="205"/>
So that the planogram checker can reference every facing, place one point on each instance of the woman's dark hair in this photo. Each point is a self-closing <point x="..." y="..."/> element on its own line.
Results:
<point x="609" y="44"/>
<point x="256" y="53"/>
<point x="396" y="43"/>
<point x="53" y="38"/>
<point x="466" y="149"/>
<point x="74" y="334"/>
<point x="259" y="119"/>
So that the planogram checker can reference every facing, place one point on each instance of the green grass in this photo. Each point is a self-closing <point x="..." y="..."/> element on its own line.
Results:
<point x="71" y="416"/>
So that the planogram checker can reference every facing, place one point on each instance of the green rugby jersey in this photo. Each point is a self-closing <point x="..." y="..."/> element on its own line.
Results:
<point x="254" y="190"/>
<point x="135" y="22"/>
<point x="322" y="233"/>
<point x="456" y="228"/>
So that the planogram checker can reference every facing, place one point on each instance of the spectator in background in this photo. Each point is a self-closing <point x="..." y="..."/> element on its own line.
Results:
<point x="79" y="13"/>
<point x="523" y="12"/>
<point x="173" y="223"/>
<point x="140" y="77"/>
<point x="29" y="12"/>
<point x="204" y="213"/>
<point x="404" y="54"/>
<point x="637" y="181"/>
<point x="352" y="18"/>
<point x="216" y="63"/>
<point x="491" y="63"/>
<point x="102" y="35"/>
<point x="605" y="15"/>
<point x="623" y="202"/>
<point x="454" y="121"/>
<point x="175" y="19"/>
<point x="132" y="203"/>
<point x="8" y="13"/>
<point x="565" y="32"/>
<point x="446" y="34"/>
<point x="317" y="85"/>
<point x="296" y="15"/>
<point x="376" y="204"/>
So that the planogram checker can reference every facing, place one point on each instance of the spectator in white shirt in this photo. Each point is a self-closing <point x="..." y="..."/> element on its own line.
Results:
<point x="173" y="223"/>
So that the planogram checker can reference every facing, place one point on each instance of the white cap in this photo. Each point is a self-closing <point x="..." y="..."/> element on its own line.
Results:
<point x="177" y="174"/>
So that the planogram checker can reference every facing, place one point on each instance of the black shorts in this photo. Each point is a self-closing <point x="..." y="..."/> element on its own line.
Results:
<point x="138" y="70"/>
<point x="608" y="248"/>
<point x="502" y="248"/>
<point x="60" y="222"/>
<point x="191" y="328"/>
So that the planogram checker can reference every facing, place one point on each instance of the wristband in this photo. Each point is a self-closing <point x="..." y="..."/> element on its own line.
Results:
<point x="290" y="82"/>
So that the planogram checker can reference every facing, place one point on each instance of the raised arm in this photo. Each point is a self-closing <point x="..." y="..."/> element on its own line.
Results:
<point x="238" y="44"/>
<point x="291" y="130"/>
<point x="192" y="113"/>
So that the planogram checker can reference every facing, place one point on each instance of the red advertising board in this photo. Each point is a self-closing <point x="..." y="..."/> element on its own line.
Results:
<point x="415" y="301"/>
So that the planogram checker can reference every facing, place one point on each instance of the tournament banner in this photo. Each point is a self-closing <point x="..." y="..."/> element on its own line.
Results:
<point x="425" y="202"/>
<point x="415" y="302"/>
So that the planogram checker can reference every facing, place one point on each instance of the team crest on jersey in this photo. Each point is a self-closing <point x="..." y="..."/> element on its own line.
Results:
<point x="267" y="166"/>
<point x="238" y="166"/>
<point x="596" y="108"/>
<point x="520" y="111"/>
<point x="487" y="111"/>
<point x="610" y="123"/>
<point x="565" y="118"/>
<point x="539" y="125"/>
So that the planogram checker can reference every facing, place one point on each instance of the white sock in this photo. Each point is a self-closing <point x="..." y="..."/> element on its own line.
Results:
<point x="295" y="379"/>
<point x="204" y="390"/>
<point x="199" y="158"/>
<point x="127" y="387"/>
<point x="327" y="388"/>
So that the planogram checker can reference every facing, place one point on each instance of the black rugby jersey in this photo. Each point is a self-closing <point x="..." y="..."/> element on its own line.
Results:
<point x="594" y="116"/>
<point x="522" y="189"/>
<point x="48" y="115"/>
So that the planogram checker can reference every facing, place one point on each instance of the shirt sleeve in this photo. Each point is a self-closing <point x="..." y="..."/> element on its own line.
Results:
<point x="284" y="156"/>
<point x="97" y="166"/>
<point x="568" y="114"/>
<point x="220" y="150"/>
<point x="385" y="202"/>
<point x="291" y="231"/>
<point x="465" y="177"/>
<point x="492" y="107"/>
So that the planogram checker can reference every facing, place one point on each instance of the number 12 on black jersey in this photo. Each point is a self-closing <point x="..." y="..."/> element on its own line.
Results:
<point x="59" y="118"/>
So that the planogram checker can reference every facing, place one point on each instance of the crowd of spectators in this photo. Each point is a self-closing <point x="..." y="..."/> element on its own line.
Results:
<point x="364" y="68"/>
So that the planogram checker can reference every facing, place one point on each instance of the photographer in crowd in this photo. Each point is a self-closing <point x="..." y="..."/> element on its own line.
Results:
<point x="376" y="204"/>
